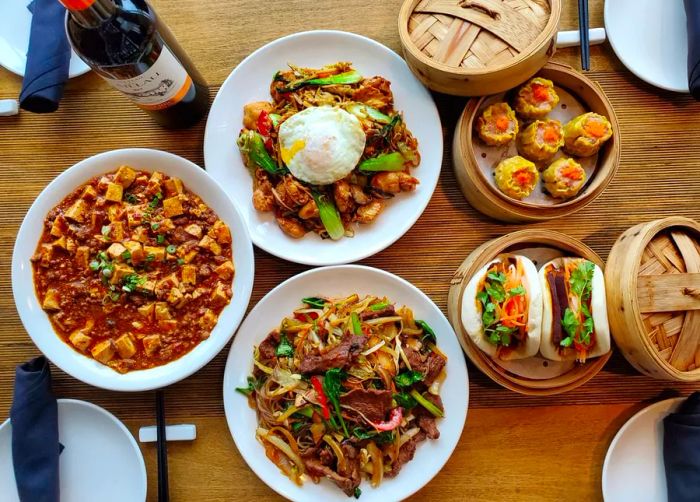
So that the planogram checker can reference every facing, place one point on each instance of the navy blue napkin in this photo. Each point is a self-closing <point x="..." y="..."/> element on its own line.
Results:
<point x="35" y="446"/>
<point x="682" y="451"/>
<point x="48" y="58"/>
<point x="692" y="14"/>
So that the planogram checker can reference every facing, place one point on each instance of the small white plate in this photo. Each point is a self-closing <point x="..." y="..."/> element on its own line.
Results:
<point x="15" y="26"/>
<point x="633" y="470"/>
<point x="250" y="81"/>
<point x="651" y="40"/>
<point x="101" y="460"/>
<point x="337" y="281"/>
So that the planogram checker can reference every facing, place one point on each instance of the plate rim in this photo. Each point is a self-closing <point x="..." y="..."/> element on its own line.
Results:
<point x="664" y="403"/>
<point x="302" y="258"/>
<point x="227" y="396"/>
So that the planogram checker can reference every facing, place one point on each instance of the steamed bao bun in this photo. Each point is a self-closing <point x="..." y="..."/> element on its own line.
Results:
<point x="472" y="311"/>
<point x="599" y="313"/>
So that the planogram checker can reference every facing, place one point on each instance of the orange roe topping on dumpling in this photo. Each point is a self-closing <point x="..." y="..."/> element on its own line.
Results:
<point x="572" y="172"/>
<point x="595" y="128"/>
<point x="523" y="177"/>
<point x="551" y="134"/>
<point x="540" y="92"/>
<point x="502" y="123"/>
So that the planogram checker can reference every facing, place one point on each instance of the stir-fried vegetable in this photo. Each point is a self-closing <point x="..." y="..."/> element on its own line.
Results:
<point x="249" y="389"/>
<point x="348" y="77"/>
<point x="428" y="333"/>
<point x="356" y="326"/>
<point x="408" y="378"/>
<point x="314" y="302"/>
<point x="284" y="349"/>
<point x="361" y="110"/>
<point x="332" y="386"/>
<point x="330" y="217"/>
<point x="251" y="144"/>
<point x="393" y="161"/>
<point x="322" y="398"/>
<point x="434" y="410"/>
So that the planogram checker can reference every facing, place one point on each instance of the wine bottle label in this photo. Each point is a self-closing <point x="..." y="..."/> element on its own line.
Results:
<point x="162" y="85"/>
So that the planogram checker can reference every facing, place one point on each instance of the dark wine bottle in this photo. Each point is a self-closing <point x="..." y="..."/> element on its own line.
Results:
<point x="125" y="42"/>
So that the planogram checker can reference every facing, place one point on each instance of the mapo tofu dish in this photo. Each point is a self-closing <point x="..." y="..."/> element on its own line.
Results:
<point x="327" y="151"/>
<point x="133" y="269"/>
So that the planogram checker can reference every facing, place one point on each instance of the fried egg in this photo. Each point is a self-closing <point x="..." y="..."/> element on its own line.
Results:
<point x="321" y="145"/>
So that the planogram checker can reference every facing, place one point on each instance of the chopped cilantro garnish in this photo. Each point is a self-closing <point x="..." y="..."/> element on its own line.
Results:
<point x="497" y="276"/>
<point x="517" y="291"/>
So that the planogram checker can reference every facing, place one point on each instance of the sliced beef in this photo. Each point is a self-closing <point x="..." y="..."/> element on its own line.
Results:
<point x="268" y="347"/>
<point x="373" y="314"/>
<point x="315" y="468"/>
<point x="371" y="403"/>
<point x="406" y="453"/>
<point x="352" y="467"/>
<point x="426" y="421"/>
<point x="429" y="364"/>
<point x="337" y="357"/>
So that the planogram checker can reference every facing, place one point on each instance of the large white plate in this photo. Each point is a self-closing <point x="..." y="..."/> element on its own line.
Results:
<point x="343" y="281"/>
<point x="15" y="26"/>
<point x="101" y="460"/>
<point x="250" y="81"/>
<point x="633" y="470"/>
<point x="651" y="40"/>
<point x="37" y="323"/>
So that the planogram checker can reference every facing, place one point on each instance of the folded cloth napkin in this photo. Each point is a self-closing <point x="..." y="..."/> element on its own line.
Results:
<point x="48" y="58"/>
<point x="35" y="447"/>
<point x="692" y="14"/>
<point x="682" y="451"/>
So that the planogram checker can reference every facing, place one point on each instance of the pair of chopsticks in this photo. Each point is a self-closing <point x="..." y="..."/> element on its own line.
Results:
<point x="162" y="447"/>
<point x="583" y="33"/>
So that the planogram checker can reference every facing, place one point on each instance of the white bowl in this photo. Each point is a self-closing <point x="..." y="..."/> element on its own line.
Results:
<point x="339" y="281"/>
<point x="37" y="323"/>
<point x="250" y="81"/>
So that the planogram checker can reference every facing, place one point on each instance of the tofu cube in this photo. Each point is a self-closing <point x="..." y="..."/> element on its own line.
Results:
<point x="208" y="320"/>
<point x="162" y="311"/>
<point x="220" y="232"/>
<point x="103" y="351"/>
<point x="80" y="340"/>
<point x="147" y="310"/>
<point x="77" y="211"/>
<point x="190" y="256"/>
<point x="175" y="297"/>
<point x="167" y="325"/>
<point x="165" y="225"/>
<point x="189" y="274"/>
<point x="136" y="251"/>
<point x="225" y="270"/>
<point x="125" y="176"/>
<point x="210" y="244"/>
<point x="59" y="226"/>
<point x="194" y="230"/>
<point x="117" y="230"/>
<point x="125" y="346"/>
<point x="114" y="192"/>
<point x="147" y="287"/>
<point x="173" y="186"/>
<point x="60" y="243"/>
<point x="45" y="255"/>
<point x="115" y="250"/>
<point x="140" y="234"/>
<point x="219" y="296"/>
<point x="134" y="215"/>
<point x="120" y="272"/>
<point x="51" y="300"/>
<point x="151" y="343"/>
<point x="172" y="207"/>
<point x="89" y="193"/>
<point x="82" y="256"/>
<point x="158" y="252"/>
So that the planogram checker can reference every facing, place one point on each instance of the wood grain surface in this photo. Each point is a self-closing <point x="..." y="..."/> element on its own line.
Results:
<point x="547" y="448"/>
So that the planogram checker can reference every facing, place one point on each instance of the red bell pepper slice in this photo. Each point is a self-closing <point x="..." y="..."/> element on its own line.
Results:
<point x="318" y="387"/>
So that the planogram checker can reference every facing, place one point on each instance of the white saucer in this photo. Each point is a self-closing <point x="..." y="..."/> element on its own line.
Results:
<point x="650" y="38"/>
<point x="633" y="470"/>
<point x="101" y="460"/>
<point x="15" y="24"/>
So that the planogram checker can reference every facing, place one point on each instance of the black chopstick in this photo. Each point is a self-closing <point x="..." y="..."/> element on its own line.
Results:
<point x="583" y="34"/>
<point x="162" y="445"/>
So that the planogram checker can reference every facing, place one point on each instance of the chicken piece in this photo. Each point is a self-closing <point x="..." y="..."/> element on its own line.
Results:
<point x="51" y="300"/>
<point x="343" y="197"/>
<point x="104" y="351"/>
<point x="387" y="182"/>
<point x="291" y="227"/>
<point x="252" y="111"/>
<point x="359" y="195"/>
<point x="125" y="346"/>
<point x="308" y="210"/>
<point x="368" y="212"/>
<point x="292" y="193"/>
<point x="151" y="343"/>
<point x="407" y="182"/>
<point x="375" y="92"/>
<point x="263" y="201"/>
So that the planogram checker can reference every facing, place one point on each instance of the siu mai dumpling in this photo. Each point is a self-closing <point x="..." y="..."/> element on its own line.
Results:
<point x="497" y="125"/>
<point x="564" y="178"/>
<point x="516" y="177"/>
<point x="541" y="140"/>
<point x="536" y="98"/>
<point x="585" y="134"/>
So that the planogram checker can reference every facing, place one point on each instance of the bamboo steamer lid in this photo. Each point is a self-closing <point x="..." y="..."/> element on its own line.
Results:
<point x="477" y="47"/>
<point x="541" y="245"/>
<point x="653" y="285"/>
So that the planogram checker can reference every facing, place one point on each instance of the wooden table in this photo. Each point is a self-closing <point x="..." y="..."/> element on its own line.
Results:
<point x="513" y="447"/>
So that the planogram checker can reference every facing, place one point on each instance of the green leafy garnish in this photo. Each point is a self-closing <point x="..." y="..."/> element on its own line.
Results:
<point x="131" y="282"/>
<point x="405" y="400"/>
<point x="155" y="226"/>
<point x="393" y="161"/>
<point x="496" y="291"/>
<point x="497" y="276"/>
<point x="428" y="333"/>
<point x="517" y="291"/>
<point x="408" y="378"/>
<point x="131" y="198"/>
<point x="126" y="255"/>
<point x="249" y="389"/>
<point x="378" y="437"/>
<point x="581" y="280"/>
<point x="155" y="201"/>
<point x="483" y="297"/>
<point x="569" y="322"/>
<point x="332" y="386"/>
<point x="357" y="493"/>
<point x="284" y="349"/>
<point x="314" y="302"/>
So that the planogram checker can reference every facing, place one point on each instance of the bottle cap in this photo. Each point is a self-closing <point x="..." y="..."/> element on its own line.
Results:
<point x="77" y="4"/>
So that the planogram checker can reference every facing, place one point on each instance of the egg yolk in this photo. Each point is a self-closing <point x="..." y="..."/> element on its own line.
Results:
<point x="288" y="154"/>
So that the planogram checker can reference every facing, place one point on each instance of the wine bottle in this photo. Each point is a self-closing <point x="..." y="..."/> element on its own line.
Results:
<point x="125" y="42"/>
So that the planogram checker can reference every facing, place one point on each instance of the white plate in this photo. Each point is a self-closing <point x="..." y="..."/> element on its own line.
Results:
<point x="15" y="26"/>
<point x="343" y="281"/>
<point x="633" y="470"/>
<point x="101" y="460"/>
<point x="650" y="38"/>
<point x="37" y="323"/>
<point x="250" y="81"/>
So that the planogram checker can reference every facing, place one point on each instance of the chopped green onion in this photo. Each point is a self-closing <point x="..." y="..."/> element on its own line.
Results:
<point x="180" y="261"/>
<point x="393" y="161"/>
<point x="171" y="248"/>
<point x="315" y="302"/>
<point x="126" y="255"/>
<point x="150" y="257"/>
<point x="154" y="226"/>
<point x="356" y="326"/>
<point x="106" y="229"/>
<point x="330" y="217"/>
<point x="348" y="77"/>
<point x="160" y="238"/>
<point x="434" y="410"/>
<point x="275" y="118"/>
<point x="379" y="306"/>
<point x="131" y="198"/>
<point x="94" y="266"/>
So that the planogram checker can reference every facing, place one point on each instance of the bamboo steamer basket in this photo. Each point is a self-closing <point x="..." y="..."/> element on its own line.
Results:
<point x="653" y="287"/>
<point x="485" y="197"/>
<point x="477" y="47"/>
<point x="561" y="245"/>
